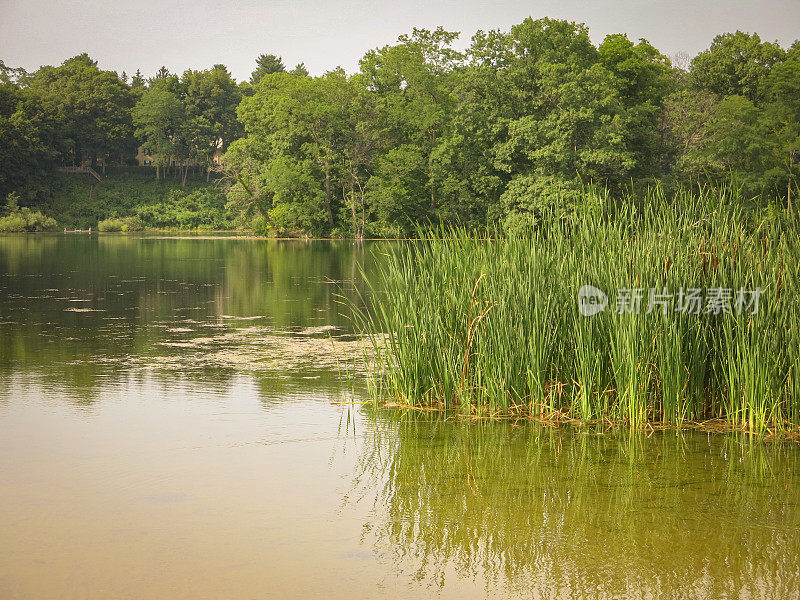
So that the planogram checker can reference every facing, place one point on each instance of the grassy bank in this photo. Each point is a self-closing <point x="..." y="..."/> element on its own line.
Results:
<point x="493" y="327"/>
<point x="132" y="196"/>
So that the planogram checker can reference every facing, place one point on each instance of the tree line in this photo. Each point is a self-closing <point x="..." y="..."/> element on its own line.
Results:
<point x="520" y="122"/>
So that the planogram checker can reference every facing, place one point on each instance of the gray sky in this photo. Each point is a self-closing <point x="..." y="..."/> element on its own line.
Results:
<point x="184" y="34"/>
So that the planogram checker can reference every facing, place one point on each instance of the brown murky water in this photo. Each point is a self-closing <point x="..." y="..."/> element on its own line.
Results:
<point x="175" y="422"/>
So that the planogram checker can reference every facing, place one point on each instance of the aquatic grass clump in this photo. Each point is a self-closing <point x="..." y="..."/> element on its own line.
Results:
<point x="492" y="327"/>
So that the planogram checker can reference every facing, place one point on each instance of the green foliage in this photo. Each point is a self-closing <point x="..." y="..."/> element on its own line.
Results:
<point x="299" y="70"/>
<point x="132" y="193"/>
<point x="202" y="209"/>
<point x="211" y="98"/>
<point x="399" y="190"/>
<point x="261" y="227"/>
<point x="23" y="219"/>
<point x="286" y="166"/>
<point x="10" y="74"/>
<point x="643" y="73"/>
<point x="736" y="64"/>
<point x="25" y="131"/>
<point x="161" y="125"/>
<point x="683" y="131"/>
<point x="492" y="326"/>
<point x="297" y="197"/>
<point x="516" y="124"/>
<point x="534" y="196"/>
<point x="120" y="224"/>
<point x="90" y="109"/>
<point x="737" y="142"/>
<point x="190" y="118"/>
<point x="267" y="64"/>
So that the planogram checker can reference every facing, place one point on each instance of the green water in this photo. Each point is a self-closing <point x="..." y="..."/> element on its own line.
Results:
<point x="177" y="421"/>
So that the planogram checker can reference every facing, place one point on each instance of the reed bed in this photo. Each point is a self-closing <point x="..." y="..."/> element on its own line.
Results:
<point x="492" y="326"/>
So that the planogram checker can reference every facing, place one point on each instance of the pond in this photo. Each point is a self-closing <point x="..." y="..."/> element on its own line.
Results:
<point x="180" y="418"/>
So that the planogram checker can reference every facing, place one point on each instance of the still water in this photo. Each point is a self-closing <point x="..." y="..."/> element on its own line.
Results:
<point x="179" y="419"/>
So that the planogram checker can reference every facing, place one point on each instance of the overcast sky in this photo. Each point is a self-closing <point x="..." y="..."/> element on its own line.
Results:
<point x="182" y="34"/>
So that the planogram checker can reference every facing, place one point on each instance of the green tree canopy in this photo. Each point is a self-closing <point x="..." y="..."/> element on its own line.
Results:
<point x="28" y="137"/>
<point x="161" y="124"/>
<point x="736" y="64"/>
<point x="267" y="64"/>
<point x="211" y="98"/>
<point x="91" y="108"/>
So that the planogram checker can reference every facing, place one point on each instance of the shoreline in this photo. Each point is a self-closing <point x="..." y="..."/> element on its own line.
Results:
<point x="717" y="425"/>
<point x="212" y="234"/>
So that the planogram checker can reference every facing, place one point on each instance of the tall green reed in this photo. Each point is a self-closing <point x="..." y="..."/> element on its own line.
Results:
<point x="491" y="326"/>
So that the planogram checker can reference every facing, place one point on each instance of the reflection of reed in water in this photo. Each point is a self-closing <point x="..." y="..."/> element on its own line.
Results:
<point x="559" y="514"/>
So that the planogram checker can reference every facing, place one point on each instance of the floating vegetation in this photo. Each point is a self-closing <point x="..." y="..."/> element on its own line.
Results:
<point x="492" y="327"/>
<point x="235" y="318"/>
<point x="264" y="349"/>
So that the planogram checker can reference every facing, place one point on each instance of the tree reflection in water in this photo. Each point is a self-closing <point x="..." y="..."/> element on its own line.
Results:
<point x="576" y="514"/>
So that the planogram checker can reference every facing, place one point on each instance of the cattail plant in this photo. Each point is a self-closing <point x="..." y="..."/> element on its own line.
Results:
<point x="490" y="326"/>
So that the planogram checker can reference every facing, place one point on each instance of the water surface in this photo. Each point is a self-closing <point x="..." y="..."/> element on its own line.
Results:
<point x="177" y="420"/>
